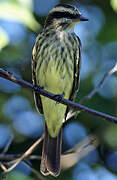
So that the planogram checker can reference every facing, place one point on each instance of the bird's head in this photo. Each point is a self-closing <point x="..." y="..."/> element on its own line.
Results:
<point x="64" y="17"/>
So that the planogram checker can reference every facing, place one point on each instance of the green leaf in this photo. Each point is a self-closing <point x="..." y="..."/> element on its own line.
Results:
<point x="114" y="4"/>
<point x="4" y="39"/>
<point x="17" y="12"/>
<point x="26" y="3"/>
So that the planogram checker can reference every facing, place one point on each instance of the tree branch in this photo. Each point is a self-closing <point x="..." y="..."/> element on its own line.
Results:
<point x="8" y="75"/>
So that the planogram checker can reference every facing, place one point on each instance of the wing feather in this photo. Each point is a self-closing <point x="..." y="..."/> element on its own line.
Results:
<point x="77" y="64"/>
<point x="34" y="64"/>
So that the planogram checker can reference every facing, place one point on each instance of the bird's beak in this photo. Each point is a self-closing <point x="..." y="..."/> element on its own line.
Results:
<point x="82" y="18"/>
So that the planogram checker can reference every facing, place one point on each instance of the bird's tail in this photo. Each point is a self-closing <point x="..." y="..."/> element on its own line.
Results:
<point x="50" y="162"/>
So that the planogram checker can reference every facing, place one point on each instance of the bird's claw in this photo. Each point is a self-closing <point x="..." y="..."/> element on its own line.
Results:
<point x="59" y="97"/>
<point x="36" y="87"/>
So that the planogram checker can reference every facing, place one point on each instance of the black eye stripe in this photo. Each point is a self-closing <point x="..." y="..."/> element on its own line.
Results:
<point x="58" y="14"/>
<point x="63" y="15"/>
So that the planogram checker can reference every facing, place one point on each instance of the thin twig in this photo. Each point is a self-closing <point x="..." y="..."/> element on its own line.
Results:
<point x="26" y="154"/>
<point x="7" y="75"/>
<point x="7" y="145"/>
<point x="5" y="157"/>
<point x="75" y="154"/>
<point x="3" y="167"/>
<point x="94" y="91"/>
<point x="4" y="174"/>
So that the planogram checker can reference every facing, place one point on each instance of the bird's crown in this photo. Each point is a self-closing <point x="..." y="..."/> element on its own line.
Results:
<point x="64" y="13"/>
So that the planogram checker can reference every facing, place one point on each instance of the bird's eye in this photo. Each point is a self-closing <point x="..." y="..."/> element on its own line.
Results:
<point x="65" y="19"/>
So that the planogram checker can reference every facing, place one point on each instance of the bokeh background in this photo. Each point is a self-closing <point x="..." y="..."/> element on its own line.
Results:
<point x="20" y="22"/>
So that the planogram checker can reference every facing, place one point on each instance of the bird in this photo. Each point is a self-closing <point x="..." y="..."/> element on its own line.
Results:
<point x="56" y="61"/>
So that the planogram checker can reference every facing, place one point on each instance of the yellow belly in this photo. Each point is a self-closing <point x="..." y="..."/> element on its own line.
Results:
<point x="57" y="82"/>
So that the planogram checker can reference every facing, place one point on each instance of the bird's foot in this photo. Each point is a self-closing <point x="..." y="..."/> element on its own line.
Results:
<point x="37" y="87"/>
<point x="59" y="97"/>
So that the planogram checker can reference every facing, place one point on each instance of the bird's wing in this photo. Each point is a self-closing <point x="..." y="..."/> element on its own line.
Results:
<point x="34" y="64"/>
<point x="77" y="64"/>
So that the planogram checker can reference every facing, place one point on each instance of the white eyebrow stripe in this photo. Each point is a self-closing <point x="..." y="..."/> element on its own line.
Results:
<point x="62" y="9"/>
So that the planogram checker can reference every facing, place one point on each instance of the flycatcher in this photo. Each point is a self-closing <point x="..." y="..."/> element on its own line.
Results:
<point x="56" y="60"/>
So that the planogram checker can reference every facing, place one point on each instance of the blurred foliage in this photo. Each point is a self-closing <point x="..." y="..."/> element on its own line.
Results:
<point x="114" y="4"/>
<point x="20" y="22"/>
<point x="4" y="39"/>
<point x="18" y="176"/>
<point x="17" y="11"/>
